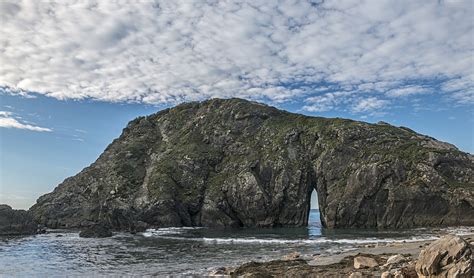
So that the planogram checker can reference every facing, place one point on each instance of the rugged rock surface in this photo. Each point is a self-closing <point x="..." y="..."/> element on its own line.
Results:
<point x="289" y="268"/>
<point x="292" y="256"/>
<point x="447" y="257"/>
<point x="16" y="222"/>
<point x="96" y="231"/>
<point x="364" y="262"/>
<point x="450" y="256"/>
<point x="396" y="259"/>
<point x="300" y="268"/>
<point x="239" y="163"/>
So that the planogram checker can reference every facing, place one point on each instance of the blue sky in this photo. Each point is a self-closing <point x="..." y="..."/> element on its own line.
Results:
<point x="73" y="73"/>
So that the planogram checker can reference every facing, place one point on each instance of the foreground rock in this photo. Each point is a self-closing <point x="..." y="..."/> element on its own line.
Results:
<point x="447" y="257"/>
<point x="239" y="163"/>
<point x="368" y="267"/>
<point x="292" y="256"/>
<point x="450" y="256"/>
<point x="396" y="259"/>
<point x="300" y="268"/>
<point x="364" y="262"/>
<point x="96" y="231"/>
<point x="16" y="222"/>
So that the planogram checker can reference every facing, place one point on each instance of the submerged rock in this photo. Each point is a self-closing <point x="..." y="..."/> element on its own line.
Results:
<point x="96" y="231"/>
<point x="243" y="164"/>
<point x="16" y="222"/>
<point x="450" y="256"/>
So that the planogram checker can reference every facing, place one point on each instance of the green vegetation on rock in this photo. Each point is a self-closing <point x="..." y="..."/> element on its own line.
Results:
<point x="231" y="162"/>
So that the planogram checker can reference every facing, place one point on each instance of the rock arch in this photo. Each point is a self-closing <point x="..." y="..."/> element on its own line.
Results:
<point x="239" y="163"/>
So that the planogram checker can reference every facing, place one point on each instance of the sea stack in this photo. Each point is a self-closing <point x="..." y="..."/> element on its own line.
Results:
<point x="232" y="162"/>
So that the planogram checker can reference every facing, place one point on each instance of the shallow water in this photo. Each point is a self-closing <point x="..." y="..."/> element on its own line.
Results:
<point x="180" y="250"/>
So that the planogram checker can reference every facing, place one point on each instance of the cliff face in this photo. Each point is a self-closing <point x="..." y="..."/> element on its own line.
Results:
<point x="239" y="163"/>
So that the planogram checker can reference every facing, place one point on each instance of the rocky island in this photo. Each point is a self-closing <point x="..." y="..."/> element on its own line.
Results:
<point x="236" y="163"/>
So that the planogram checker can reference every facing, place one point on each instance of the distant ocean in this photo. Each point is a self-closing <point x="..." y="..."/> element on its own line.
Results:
<point x="185" y="250"/>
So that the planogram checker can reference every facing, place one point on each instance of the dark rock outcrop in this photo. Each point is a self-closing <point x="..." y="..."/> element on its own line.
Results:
<point x="16" y="222"/>
<point x="97" y="231"/>
<point x="239" y="163"/>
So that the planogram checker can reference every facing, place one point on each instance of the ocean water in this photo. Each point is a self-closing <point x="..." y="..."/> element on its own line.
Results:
<point x="184" y="251"/>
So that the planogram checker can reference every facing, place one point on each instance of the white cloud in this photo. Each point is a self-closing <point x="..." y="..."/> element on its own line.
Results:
<point x="408" y="91"/>
<point x="7" y="120"/>
<point x="327" y="101"/>
<point x="170" y="51"/>
<point x="355" y="101"/>
<point x="80" y="130"/>
<point x="369" y="104"/>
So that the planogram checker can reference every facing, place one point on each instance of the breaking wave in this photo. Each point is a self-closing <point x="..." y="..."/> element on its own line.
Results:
<point x="182" y="233"/>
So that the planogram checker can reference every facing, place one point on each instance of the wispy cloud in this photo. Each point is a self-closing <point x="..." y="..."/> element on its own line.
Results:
<point x="328" y="101"/>
<point x="369" y="104"/>
<point x="8" y="120"/>
<point x="408" y="91"/>
<point x="168" y="51"/>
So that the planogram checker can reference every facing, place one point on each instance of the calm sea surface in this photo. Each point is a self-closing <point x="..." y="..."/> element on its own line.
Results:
<point x="173" y="251"/>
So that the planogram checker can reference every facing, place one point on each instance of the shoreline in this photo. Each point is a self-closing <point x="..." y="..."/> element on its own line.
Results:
<point x="339" y="264"/>
<point x="332" y="260"/>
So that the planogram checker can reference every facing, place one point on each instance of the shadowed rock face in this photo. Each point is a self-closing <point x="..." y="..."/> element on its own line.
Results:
<point x="96" y="231"/>
<point x="16" y="222"/>
<point x="239" y="163"/>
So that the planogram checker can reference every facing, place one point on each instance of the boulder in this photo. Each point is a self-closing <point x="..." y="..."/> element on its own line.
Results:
<point x="449" y="256"/>
<point x="138" y="227"/>
<point x="96" y="231"/>
<point x="396" y="259"/>
<point x="292" y="256"/>
<point x="16" y="222"/>
<point x="398" y="274"/>
<point x="361" y="262"/>
<point x="220" y="272"/>
<point x="408" y="271"/>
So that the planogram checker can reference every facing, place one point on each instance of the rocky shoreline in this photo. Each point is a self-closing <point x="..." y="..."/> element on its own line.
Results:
<point x="17" y="222"/>
<point x="449" y="256"/>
